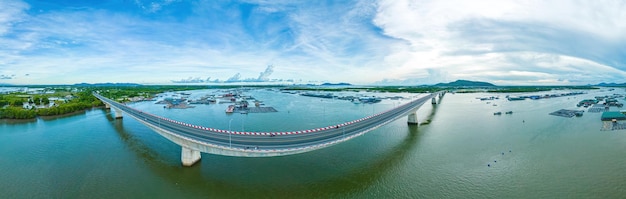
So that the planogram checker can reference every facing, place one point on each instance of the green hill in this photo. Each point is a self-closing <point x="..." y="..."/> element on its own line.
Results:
<point x="465" y="83"/>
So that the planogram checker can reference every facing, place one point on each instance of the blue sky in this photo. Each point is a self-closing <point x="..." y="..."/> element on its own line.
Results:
<point x="400" y="42"/>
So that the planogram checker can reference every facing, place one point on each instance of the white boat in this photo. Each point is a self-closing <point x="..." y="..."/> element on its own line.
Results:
<point x="230" y="109"/>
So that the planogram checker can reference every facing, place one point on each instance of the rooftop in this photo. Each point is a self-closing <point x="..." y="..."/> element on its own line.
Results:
<point x="610" y="115"/>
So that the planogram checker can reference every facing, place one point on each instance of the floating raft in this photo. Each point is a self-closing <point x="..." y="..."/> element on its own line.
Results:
<point x="597" y="108"/>
<point x="567" y="113"/>
<point x="612" y="126"/>
<point x="256" y="109"/>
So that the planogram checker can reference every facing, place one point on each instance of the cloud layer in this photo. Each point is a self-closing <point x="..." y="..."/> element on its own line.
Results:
<point x="363" y="42"/>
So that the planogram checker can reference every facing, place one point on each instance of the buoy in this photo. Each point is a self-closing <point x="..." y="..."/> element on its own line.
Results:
<point x="509" y="151"/>
<point x="489" y="165"/>
<point x="495" y="161"/>
<point x="502" y="153"/>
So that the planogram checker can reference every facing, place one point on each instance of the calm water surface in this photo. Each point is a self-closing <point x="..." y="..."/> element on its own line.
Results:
<point x="92" y="155"/>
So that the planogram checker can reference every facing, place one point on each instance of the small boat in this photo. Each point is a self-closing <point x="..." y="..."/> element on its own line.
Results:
<point x="579" y="113"/>
<point x="508" y="112"/>
<point x="230" y="109"/>
<point x="497" y="113"/>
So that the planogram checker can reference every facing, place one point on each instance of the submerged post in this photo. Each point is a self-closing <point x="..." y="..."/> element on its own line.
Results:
<point x="189" y="156"/>
<point x="413" y="119"/>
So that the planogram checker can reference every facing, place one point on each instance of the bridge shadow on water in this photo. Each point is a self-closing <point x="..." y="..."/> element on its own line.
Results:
<point x="430" y="116"/>
<point x="137" y="144"/>
<point x="338" y="171"/>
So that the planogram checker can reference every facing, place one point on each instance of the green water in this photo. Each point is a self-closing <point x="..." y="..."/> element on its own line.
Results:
<point x="92" y="155"/>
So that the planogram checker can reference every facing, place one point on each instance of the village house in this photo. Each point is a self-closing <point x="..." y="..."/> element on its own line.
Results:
<point x="28" y="105"/>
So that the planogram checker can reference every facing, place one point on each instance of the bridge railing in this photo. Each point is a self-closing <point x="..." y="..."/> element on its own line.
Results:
<point x="246" y="133"/>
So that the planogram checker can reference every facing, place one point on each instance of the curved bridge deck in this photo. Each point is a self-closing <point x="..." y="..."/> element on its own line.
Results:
<point x="261" y="144"/>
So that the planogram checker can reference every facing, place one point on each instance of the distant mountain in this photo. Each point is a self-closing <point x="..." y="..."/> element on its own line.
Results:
<point x="611" y="84"/>
<point x="337" y="84"/>
<point x="465" y="83"/>
<point x="107" y="84"/>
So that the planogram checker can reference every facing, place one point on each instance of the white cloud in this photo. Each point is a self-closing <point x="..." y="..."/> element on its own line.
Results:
<point x="403" y="41"/>
<point x="11" y="12"/>
<point x="481" y="39"/>
<point x="153" y="6"/>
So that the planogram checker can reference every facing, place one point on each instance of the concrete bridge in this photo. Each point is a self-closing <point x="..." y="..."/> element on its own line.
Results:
<point x="195" y="139"/>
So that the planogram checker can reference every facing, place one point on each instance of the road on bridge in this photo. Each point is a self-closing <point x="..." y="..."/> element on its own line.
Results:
<point x="272" y="140"/>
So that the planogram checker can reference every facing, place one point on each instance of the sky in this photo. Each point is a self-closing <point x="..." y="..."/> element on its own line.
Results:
<point x="365" y="42"/>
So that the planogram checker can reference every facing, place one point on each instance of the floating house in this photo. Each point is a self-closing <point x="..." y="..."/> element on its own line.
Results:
<point x="612" y="115"/>
<point x="587" y="102"/>
<point x="613" y="102"/>
<point x="516" y="98"/>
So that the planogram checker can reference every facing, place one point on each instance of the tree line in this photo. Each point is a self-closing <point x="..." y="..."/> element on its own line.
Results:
<point x="82" y="100"/>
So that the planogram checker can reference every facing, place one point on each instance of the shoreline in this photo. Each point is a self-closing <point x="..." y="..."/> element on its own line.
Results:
<point x="17" y="121"/>
<point x="48" y="117"/>
<point x="53" y="117"/>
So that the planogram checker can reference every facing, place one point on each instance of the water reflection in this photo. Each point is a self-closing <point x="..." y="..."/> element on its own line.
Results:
<point x="14" y="121"/>
<point x="57" y="117"/>
<point x="430" y="116"/>
<point x="136" y="145"/>
<point x="339" y="170"/>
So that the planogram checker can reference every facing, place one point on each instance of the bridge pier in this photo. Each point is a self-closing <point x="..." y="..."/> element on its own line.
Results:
<point x="118" y="113"/>
<point x="434" y="100"/>
<point x="413" y="119"/>
<point x="189" y="156"/>
<point x="107" y="106"/>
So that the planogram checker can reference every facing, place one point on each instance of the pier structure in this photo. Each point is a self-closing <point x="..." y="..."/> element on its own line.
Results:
<point x="118" y="112"/>
<point x="412" y="117"/>
<point x="195" y="139"/>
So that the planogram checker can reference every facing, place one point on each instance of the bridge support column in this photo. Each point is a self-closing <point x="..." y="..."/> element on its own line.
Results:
<point x="107" y="106"/>
<point x="118" y="113"/>
<point x="413" y="119"/>
<point x="189" y="156"/>
<point x="434" y="100"/>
